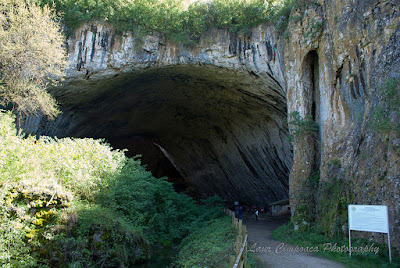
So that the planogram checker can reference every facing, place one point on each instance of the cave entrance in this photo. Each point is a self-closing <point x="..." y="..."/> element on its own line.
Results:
<point x="216" y="131"/>
<point x="156" y="159"/>
<point x="311" y="78"/>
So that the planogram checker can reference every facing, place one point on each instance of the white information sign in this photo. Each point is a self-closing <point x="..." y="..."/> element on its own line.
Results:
<point x="369" y="218"/>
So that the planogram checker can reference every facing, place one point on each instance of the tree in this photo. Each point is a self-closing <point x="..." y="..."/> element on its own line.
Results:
<point x="32" y="57"/>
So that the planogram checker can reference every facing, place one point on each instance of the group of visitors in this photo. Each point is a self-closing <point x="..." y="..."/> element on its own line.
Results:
<point x="252" y="210"/>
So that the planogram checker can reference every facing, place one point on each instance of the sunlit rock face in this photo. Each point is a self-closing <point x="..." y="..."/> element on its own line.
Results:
<point x="212" y="117"/>
<point x="337" y="57"/>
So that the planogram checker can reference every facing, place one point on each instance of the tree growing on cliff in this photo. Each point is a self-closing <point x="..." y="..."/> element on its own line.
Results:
<point x="32" y="57"/>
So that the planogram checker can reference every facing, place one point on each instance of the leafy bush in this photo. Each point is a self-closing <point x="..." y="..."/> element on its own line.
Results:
<point x="32" y="55"/>
<point x="13" y="249"/>
<point x="153" y="206"/>
<point x="282" y="15"/>
<point x="28" y="223"/>
<point x="42" y="181"/>
<point x="301" y="126"/>
<point x="78" y="203"/>
<point x="95" y="237"/>
<point x="82" y="166"/>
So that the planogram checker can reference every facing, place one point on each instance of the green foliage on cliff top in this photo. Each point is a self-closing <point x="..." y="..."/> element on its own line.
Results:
<point x="78" y="203"/>
<point x="176" y="19"/>
<point x="167" y="17"/>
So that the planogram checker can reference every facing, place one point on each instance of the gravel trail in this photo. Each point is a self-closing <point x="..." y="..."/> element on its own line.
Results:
<point x="276" y="254"/>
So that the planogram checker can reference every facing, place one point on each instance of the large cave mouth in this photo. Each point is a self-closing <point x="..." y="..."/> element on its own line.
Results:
<point x="212" y="130"/>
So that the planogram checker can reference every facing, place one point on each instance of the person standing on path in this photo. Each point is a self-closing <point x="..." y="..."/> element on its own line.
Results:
<point x="256" y="214"/>
<point x="237" y="212"/>
<point x="240" y="213"/>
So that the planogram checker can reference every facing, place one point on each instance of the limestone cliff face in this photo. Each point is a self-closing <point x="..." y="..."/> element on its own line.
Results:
<point x="337" y="56"/>
<point x="217" y="111"/>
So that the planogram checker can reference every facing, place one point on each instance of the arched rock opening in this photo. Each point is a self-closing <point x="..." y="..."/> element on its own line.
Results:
<point x="310" y="78"/>
<point x="217" y="131"/>
<point x="305" y="174"/>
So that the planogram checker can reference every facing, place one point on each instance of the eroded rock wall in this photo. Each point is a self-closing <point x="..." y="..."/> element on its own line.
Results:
<point x="356" y="45"/>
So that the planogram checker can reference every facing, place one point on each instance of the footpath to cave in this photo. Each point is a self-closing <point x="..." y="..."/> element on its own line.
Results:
<point x="272" y="253"/>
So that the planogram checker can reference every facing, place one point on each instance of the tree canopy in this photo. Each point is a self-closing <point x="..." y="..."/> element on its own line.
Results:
<point x="32" y="56"/>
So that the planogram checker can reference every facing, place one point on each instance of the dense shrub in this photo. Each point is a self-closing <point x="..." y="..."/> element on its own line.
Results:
<point x="82" y="166"/>
<point x="153" y="206"/>
<point x="96" y="236"/>
<point x="42" y="183"/>
<point x="78" y="203"/>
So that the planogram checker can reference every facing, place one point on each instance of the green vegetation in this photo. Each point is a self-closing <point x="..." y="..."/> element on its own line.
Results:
<point x="305" y="213"/>
<point x="334" y="197"/>
<point x="315" y="27"/>
<point x="301" y="126"/>
<point x="389" y="105"/>
<point x="177" y="20"/>
<point x="78" y="203"/>
<point x="168" y="17"/>
<point x="334" y="247"/>
<point x="44" y="183"/>
<point x="210" y="246"/>
<point x="32" y="56"/>
<point x="334" y="162"/>
<point x="252" y="260"/>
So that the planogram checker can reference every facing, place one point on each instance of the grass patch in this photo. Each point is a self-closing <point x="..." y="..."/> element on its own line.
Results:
<point x="210" y="246"/>
<point x="335" y="248"/>
<point x="253" y="261"/>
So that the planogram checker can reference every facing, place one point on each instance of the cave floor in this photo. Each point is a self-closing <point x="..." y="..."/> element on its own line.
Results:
<point x="272" y="253"/>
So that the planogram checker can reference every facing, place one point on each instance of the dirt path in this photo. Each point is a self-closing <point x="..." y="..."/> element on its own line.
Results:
<point x="276" y="254"/>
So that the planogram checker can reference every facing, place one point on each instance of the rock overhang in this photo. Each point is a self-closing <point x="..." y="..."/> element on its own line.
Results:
<point x="223" y="130"/>
<point x="215" y="112"/>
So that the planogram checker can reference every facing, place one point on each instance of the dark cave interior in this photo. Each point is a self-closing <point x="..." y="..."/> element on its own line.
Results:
<point x="210" y="130"/>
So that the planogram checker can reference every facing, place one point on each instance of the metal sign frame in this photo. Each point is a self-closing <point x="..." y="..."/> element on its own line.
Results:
<point x="370" y="216"/>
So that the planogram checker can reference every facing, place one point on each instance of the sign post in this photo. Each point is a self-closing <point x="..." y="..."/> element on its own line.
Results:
<point x="369" y="218"/>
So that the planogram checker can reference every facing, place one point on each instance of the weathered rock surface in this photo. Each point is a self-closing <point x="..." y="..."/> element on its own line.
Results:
<point x="336" y="58"/>
<point x="217" y="111"/>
